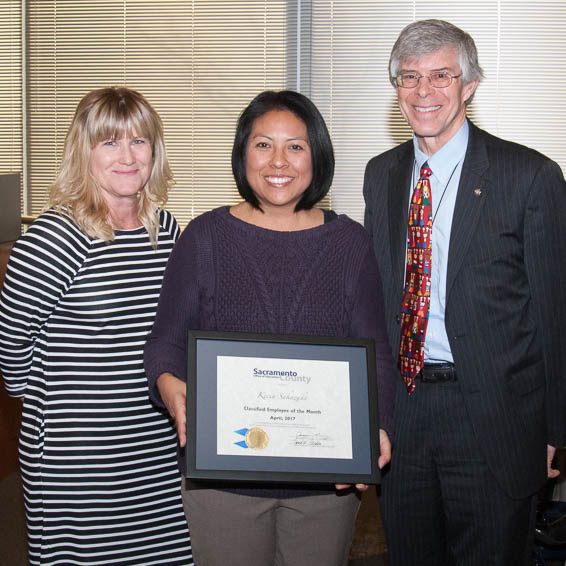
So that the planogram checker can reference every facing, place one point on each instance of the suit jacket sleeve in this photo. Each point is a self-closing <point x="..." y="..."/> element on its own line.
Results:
<point x="545" y="253"/>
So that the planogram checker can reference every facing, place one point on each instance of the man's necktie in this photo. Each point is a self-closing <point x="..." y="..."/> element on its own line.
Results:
<point x="416" y="294"/>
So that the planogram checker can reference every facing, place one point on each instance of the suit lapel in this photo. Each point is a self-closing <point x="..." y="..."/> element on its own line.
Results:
<point x="399" y="190"/>
<point x="472" y="194"/>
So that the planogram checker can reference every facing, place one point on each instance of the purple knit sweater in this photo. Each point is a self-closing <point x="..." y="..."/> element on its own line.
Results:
<point x="225" y="274"/>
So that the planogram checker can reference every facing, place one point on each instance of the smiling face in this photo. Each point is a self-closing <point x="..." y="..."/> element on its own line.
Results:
<point x="435" y="114"/>
<point x="121" y="167"/>
<point x="278" y="160"/>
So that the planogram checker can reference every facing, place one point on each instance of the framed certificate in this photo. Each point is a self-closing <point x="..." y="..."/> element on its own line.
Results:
<point x="281" y="408"/>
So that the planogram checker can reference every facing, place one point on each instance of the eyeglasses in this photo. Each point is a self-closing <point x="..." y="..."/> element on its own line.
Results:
<point x="439" y="79"/>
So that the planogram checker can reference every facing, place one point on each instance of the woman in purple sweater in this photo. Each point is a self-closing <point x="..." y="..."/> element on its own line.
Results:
<point x="274" y="263"/>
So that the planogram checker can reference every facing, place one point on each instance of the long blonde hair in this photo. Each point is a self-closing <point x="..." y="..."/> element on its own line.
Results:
<point x="109" y="113"/>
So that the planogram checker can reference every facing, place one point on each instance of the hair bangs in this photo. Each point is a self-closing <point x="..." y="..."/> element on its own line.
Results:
<point x="115" y="119"/>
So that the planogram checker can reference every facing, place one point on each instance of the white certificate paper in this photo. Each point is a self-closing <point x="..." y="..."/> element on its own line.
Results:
<point x="283" y="407"/>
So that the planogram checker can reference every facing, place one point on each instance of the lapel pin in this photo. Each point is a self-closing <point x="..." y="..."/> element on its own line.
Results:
<point x="477" y="192"/>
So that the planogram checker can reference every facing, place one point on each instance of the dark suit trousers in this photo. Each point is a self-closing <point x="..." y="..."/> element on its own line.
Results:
<point x="441" y="505"/>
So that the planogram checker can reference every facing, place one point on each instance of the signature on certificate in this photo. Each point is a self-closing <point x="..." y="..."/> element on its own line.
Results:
<point x="317" y="439"/>
<point x="288" y="396"/>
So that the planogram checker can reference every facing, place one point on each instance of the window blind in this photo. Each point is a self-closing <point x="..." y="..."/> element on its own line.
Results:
<point x="199" y="63"/>
<point x="522" y="49"/>
<point x="10" y="87"/>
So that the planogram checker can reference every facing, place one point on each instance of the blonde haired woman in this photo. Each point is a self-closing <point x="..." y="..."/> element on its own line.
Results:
<point x="98" y="461"/>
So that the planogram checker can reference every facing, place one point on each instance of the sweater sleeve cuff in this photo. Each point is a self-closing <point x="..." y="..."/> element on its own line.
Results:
<point x="159" y="359"/>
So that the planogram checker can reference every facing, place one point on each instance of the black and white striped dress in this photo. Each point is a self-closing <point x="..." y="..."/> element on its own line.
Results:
<point x="98" y="460"/>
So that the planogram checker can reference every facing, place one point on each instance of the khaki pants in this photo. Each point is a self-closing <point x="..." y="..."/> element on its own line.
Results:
<point x="228" y="529"/>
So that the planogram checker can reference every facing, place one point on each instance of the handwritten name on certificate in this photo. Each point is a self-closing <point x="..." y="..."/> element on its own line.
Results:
<point x="283" y="407"/>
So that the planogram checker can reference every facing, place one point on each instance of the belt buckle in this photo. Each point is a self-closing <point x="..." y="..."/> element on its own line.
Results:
<point x="437" y="373"/>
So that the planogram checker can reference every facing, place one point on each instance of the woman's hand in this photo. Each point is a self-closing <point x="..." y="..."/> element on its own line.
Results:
<point x="173" y="393"/>
<point x="383" y="460"/>
<point x="359" y="486"/>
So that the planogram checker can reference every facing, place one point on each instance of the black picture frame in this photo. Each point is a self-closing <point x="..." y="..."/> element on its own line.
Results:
<point x="203" y="462"/>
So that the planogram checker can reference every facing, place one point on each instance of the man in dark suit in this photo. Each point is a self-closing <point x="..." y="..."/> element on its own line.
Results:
<point x="470" y="234"/>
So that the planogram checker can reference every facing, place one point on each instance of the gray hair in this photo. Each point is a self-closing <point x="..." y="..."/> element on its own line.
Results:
<point x="425" y="37"/>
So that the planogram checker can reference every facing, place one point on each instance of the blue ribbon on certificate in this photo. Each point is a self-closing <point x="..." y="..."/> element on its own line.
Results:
<point x="242" y="432"/>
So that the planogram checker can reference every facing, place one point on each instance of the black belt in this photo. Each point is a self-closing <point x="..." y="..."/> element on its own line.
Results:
<point x="437" y="373"/>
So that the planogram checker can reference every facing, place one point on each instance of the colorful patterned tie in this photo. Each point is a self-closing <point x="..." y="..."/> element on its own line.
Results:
<point x="416" y="295"/>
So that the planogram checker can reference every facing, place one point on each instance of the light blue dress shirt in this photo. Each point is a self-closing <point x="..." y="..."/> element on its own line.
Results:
<point x="446" y="166"/>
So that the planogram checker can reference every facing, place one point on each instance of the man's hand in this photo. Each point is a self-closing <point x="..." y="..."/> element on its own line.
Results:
<point x="384" y="449"/>
<point x="173" y="393"/>
<point x="550" y="471"/>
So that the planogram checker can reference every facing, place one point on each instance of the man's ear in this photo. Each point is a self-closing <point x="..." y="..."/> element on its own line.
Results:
<point x="469" y="90"/>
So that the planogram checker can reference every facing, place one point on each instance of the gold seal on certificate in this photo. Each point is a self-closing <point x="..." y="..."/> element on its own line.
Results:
<point x="257" y="438"/>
